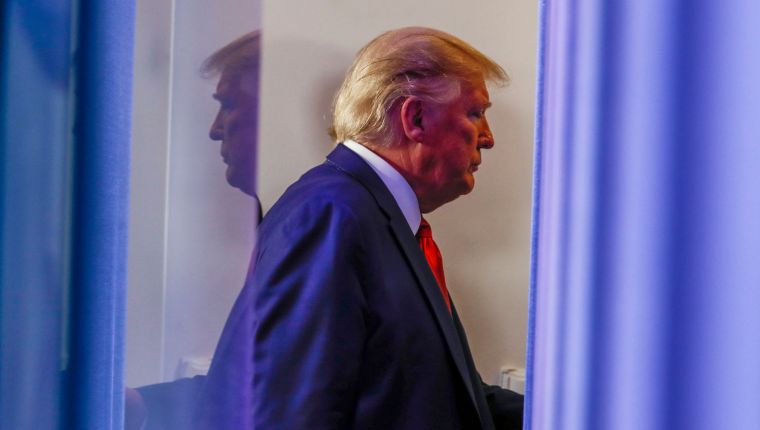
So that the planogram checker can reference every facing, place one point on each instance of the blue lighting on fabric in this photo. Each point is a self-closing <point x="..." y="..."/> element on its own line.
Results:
<point x="63" y="211"/>
<point x="646" y="217"/>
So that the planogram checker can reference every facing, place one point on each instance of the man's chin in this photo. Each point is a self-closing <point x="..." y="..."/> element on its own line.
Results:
<point x="229" y="175"/>
<point x="243" y="182"/>
<point x="468" y="185"/>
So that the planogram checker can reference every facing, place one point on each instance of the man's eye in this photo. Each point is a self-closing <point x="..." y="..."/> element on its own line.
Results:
<point x="478" y="113"/>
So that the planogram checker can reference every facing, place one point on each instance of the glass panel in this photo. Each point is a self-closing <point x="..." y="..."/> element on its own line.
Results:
<point x="191" y="227"/>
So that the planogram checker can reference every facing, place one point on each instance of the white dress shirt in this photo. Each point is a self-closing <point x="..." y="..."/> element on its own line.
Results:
<point x="396" y="184"/>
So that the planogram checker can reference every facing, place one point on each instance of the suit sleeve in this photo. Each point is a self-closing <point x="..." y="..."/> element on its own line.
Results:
<point x="506" y="407"/>
<point x="170" y="405"/>
<point x="309" y="312"/>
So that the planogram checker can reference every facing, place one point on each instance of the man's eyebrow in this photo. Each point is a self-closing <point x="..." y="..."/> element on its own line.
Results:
<point x="215" y="96"/>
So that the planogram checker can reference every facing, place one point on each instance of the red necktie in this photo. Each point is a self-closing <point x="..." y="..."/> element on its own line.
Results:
<point x="433" y="257"/>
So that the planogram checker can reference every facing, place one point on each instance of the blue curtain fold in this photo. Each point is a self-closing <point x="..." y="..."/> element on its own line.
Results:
<point x="65" y="119"/>
<point x="646" y="217"/>
<point x="100" y="212"/>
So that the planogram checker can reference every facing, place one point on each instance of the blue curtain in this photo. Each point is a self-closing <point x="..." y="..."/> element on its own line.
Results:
<point x="64" y="120"/>
<point x="34" y="77"/>
<point x="646" y="254"/>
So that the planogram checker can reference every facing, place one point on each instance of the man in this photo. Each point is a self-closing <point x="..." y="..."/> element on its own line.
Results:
<point x="237" y="121"/>
<point x="176" y="405"/>
<point x="345" y="322"/>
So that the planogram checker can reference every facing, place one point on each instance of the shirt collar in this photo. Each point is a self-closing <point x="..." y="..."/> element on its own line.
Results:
<point x="396" y="184"/>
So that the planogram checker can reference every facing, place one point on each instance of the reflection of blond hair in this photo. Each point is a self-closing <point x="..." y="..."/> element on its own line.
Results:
<point x="237" y="58"/>
<point x="412" y="61"/>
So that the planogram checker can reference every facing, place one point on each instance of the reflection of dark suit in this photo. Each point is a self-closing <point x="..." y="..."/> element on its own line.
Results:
<point x="348" y="325"/>
<point x="345" y="322"/>
<point x="179" y="404"/>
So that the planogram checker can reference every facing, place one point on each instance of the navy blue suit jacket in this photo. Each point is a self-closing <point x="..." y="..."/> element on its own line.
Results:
<point x="341" y="324"/>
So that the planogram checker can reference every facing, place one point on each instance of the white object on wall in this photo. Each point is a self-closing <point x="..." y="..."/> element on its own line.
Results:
<point x="513" y="379"/>
<point x="193" y="365"/>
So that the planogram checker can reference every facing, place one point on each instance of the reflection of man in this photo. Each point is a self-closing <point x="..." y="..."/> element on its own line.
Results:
<point x="174" y="405"/>
<point x="236" y="123"/>
<point x="346" y="323"/>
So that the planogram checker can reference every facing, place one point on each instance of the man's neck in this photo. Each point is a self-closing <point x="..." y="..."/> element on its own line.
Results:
<point x="394" y="180"/>
<point x="403" y="158"/>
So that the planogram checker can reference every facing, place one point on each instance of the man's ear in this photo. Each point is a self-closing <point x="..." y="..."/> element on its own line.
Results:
<point x="412" y="111"/>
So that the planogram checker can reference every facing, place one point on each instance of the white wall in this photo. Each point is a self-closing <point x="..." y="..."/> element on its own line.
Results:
<point x="191" y="234"/>
<point x="484" y="236"/>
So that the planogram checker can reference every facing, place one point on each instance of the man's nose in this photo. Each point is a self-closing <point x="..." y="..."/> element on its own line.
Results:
<point x="485" y="140"/>
<point x="217" y="129"/>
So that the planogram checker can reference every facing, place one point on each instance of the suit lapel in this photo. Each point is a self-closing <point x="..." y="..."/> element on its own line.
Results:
<point x="347" y="161"/>
<point x="430" y="288"/>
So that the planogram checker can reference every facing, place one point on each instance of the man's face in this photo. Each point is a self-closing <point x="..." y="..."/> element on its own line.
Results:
<point x="236" y="126"/>
<point x="455" y="133"/>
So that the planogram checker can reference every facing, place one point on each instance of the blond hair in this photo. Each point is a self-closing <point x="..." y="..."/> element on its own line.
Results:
<point x="239" y="57"/>
<point x="411" y="61"/>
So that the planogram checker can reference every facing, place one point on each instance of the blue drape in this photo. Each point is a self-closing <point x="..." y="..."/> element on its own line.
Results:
<point x="65" y="159"/>
<point x="34" y="80"/>
<point x="647" y="217"/>
<point x="100" y="212"/>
